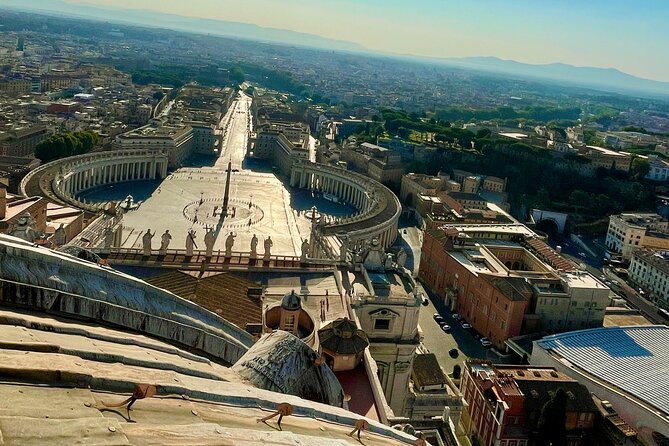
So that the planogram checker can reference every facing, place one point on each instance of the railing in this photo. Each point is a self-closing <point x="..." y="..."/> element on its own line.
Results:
<point x="218" y="259"/>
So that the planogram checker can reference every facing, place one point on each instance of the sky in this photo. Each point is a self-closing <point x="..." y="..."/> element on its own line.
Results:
<point x="629" y="35"/>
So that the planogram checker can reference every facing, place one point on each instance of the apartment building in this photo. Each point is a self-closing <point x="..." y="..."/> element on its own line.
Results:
<point x="630" y="231"/>
<point x="21" y="141"/>
<point x="505" y="281"/>
<point x="650" y="270"/>
<point x="504" y="403"/>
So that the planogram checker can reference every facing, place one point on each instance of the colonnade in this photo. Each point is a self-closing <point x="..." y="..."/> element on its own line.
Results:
<point x="347" y="191"/>
<point x="379" y="209"/>
<point x="99" y="173"/>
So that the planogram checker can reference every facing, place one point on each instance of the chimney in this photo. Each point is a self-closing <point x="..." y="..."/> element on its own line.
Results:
<point x="3" y="202"/>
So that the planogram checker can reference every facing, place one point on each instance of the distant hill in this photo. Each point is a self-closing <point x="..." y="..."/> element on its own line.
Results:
<point x="604" y="79"/>
<point x="180" y="23"/>
<point x="608" y="79"/>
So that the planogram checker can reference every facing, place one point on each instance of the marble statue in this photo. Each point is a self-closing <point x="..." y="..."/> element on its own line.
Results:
<point x="401" y="258"/>
<point x="229" y="243"/>
<point x="25" y="228"/>
<point x="268" y="246"/>
<point x="109" y="237"/>
<point x="60" y="236"/>
<point x="305" y="251"/>
<point x="165" y="240"/>
<point x="190" y="242"/>
<point x="146" y="242"/>
<point x="343" y="249"/>
<point x="209" y="241"/>
<point x="254" y="247"/>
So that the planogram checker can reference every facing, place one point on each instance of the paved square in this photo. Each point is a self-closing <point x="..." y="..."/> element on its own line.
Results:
<point x="193" y="197"/>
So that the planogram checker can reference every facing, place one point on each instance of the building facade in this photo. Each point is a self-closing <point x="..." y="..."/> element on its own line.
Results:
<point x="511" y="286"/>
<point x="503" y="404"/>
<point x="21" y="142"/>
<point x="628" y="232"/>
<point x="650" y="270"/>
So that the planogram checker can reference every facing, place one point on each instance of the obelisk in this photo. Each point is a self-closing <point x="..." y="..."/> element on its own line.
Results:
<point x="226" y="197"/>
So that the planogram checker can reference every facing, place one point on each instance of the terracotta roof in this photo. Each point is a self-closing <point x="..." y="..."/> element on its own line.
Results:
<point x="550" y="256"/>
<point x="224" y="294"/>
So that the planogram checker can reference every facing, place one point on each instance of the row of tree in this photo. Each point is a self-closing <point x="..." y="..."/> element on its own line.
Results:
<point x="609" y="192"/>
<point x="536" y="113"/>
<point x="62" y="145"/>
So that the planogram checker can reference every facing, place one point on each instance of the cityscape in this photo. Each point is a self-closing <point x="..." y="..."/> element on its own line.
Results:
<point x="222" y="233"/>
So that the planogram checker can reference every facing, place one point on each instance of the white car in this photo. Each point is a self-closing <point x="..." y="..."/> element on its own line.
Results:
<point x="466" y="326"/>
<point x="485" y="342"/>
<point x="456" y="317"/>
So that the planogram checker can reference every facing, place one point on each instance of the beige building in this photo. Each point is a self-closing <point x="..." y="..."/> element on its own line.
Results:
<point x="650" y="270"/>
<point x="379" y="163"/>
<point x="494" y="184"/>
<point x="628" y="232"/>
<point x="471" y="184"/>
<point x="625" y="366"/>
<point x="176" y="140"/>
<point x="605" y="158"/>
<point x="575" y="301"/>
<point x="415" y="184"/>
<point x="22" y="141"/>
<point x="281" y="143"/>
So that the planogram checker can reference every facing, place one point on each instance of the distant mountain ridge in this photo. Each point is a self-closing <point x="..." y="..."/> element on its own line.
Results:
<point x="604" y="79"/>
<point x="610" y="79"/>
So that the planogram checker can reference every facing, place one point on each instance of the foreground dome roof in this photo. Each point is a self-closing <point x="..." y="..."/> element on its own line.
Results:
<point x="291" y="301"/>
<point x="343" y="336"/>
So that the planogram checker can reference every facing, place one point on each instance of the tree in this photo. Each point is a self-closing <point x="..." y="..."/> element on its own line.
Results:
<point x="62" y="145"/>
<point x="551" y="427"/>
<point x="237" y="74"/>
<point x="483" y="133"/>
<point x="639" y="168"/>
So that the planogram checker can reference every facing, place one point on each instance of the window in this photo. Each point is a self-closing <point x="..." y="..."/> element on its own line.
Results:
<point x="382" y="324"/>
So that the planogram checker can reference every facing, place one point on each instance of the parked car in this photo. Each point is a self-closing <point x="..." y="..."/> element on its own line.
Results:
<point x="485" y="342"/>
<point x="437" y="317"/>
<point x="446" y="328"/>
<point x="465" y="325"/>
<point x="456" y="316"/>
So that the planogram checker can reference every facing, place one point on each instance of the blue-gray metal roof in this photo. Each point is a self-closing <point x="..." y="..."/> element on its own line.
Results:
<point x="634" y="359"/>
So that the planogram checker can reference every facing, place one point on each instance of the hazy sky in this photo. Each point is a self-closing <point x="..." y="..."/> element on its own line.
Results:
<point x="631" y="35"/>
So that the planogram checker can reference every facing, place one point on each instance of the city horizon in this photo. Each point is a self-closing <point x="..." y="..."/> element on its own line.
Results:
<point x="524" y="53"/>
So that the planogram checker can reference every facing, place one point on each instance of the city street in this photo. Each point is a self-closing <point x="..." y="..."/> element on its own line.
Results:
<point x="440" y="343"/>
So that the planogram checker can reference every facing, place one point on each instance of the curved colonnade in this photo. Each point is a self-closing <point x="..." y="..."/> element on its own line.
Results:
<point x="379" y="209"/>
<point x="77" y="174"/>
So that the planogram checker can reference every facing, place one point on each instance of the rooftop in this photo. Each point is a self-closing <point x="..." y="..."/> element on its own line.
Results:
<point x="607" y="152"/>
<point x="427" y="372"/>
<point x="60" y="376"/>
<point x="633" y="359"/>
<point x="654" y="259"/>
